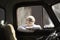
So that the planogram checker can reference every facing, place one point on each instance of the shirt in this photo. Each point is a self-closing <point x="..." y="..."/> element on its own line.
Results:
<point x="25" y="28"/>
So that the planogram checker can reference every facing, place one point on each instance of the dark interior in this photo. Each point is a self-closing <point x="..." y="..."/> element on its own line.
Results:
<point x="8" y="11"/>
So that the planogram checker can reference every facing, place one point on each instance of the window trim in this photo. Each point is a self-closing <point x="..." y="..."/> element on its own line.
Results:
<point x="33" y="3"/>
<point x="4" y="13"/>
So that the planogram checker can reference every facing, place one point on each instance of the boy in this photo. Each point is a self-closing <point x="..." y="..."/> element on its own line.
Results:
<point x="30" y="25"/>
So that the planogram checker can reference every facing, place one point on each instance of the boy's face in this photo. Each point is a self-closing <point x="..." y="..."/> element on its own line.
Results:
<point x="29" y="23"/>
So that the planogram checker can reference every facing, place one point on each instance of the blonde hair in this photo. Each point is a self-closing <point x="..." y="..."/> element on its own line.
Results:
<point x="31" y="18"/>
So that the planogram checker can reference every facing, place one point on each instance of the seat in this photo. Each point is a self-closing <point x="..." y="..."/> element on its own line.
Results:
<point x="8" y="32"/>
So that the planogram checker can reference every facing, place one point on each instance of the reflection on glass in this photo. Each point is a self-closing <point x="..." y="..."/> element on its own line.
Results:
<point x="56" y="9"/>
<point x="38" y="12"/>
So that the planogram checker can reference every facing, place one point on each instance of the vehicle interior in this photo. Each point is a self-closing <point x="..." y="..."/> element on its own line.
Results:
<point x="46" y="13"/>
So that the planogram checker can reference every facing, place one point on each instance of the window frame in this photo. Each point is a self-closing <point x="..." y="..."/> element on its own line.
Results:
<point x="35" y="3"/>
<point x="4" y="13"/>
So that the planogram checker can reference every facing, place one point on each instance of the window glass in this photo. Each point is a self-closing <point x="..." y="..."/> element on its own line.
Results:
<point x="22" y="13"/>
<point x="46" y="20"/>
<point x="56" y="9"/>
<point x="38" y="12"/>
